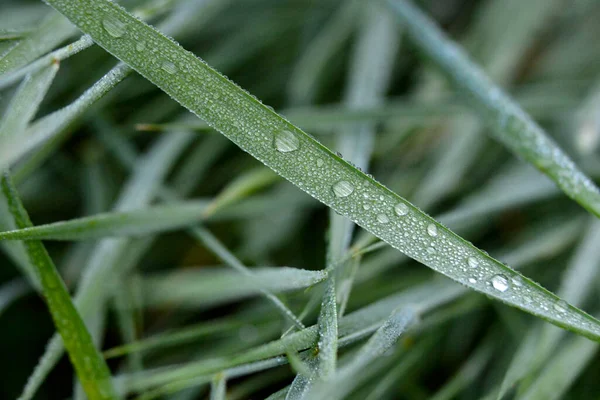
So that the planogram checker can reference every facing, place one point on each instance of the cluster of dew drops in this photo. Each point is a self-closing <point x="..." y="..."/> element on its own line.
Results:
<point x="287" y="142"/>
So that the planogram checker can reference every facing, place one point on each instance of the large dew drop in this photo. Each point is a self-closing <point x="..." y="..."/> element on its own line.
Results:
<point x="401" y="209"/>
<point x="343" y="189"/>
<point x="114" y="27"/>
<point x="561" y="306"/>
<point x="432" y="230"/>
<point x="285" y="142"/>
<point x="500" y="283"/>
<point x="473" y="263"/>
<point x="382" y="218"/>
<point x="169" y="67"/>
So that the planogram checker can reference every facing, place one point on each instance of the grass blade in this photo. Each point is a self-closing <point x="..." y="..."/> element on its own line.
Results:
<point x="205" y="287"/>
<point x="128" y="223"/>
<point x="511" y="125"/>
<point x="303" y="161"/>
<point x="91" y="369"/>
<point x="52" y="31"/>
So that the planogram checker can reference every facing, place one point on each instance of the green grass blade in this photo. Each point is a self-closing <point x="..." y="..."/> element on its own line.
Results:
<point x="327" y="346"/>
<point x="128" y="223"/>
<point x="352" y="327"/>
<point x="20" y="111"/>
<point x="576" y="286"/>
<point x="511" y="125"/>
<point x="103" y="264"/>
<point x="13" y="148"/>
<point x="218" y="387"/>
<point x="91" y="369"/>
<point x="52" y="31"/>
<point x="303" y="161"/>
<point x="561" y="370"/>
<point x="383" y="339"/>
<point x="206" y="286"/>
<point x="12" y="291"/>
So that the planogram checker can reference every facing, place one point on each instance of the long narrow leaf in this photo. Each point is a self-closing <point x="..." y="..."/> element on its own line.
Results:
<point x="511" y="125"/>
<point x="91" y="369"/>
<point x="302" y="160"/>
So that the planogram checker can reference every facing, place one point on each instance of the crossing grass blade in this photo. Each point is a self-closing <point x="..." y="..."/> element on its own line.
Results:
<point x="91" y="369"/>
<point x="510" y="124"/>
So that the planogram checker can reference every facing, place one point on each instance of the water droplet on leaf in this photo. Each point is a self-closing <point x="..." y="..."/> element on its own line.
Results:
<point x="285" y="142"/>
<point x="432" y="230"/>
<point x="401" y="209"/>
<point x="343" y="189"/>
<point x="500" y="283"/>
<point x="114" y="27"/>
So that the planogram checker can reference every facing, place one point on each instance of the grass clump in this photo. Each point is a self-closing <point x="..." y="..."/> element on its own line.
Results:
<point x="227" y="281"/>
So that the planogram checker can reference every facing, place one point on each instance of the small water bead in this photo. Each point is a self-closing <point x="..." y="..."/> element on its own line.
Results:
<point x="500" y="283"/>
<point x="140" y="46"/>
<point x="366" y="207"/>
<point x="431" y="250"/>
<point x="528" y="299"/>
<point x="473" y="263"/>
<point x="169" y="67"/>
<point x="286" y="142"/>
<point x="432" y="230"/>
<point x="114" y="27"/>
<point x="343" y="189"/>
<point x="472" y="280"/>
<point x="561" y="306"/>
<point x="382" y="218"/>
<point x="517" y="281"/>
<point x="319" y="163"/>
<point x="401" y="209"/>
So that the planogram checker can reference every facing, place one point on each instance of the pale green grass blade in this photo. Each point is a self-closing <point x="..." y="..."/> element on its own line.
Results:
<point x="467" y="374"/>
<point x="207" y="287"/>
<point x="12" y="33"/>
<point x="128" y="223"/>
<point x="218" y="387"/>
<point x="174" y="338"/>
<point x="26" y="101"/>
<point x="242" y="186"/>
<point x="63" y="53"/>
<point x="12" y="291"/>
<point x="587" y="137"/>
<point x="352" y="327"/>
<point x="576" y="285"/>
<point x="327" y="323"/>
<point x="309" y="68"/>
<point x="20" y="111"/>
<point x="13" y="148"/>
<point x="311" y="166"/>
<point x="561" y="370"/>
<point x="303" y="382"/>
<point x="91" y="369"/>
<point x="381" y="341"/>
<point x="102" y="266"/>
<point x="511" y="125"/>
<point x="52" y="31"/>
<point x="214" y="245"/>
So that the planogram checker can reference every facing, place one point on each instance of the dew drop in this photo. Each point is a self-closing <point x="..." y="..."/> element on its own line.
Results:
<point x="517" y="281"/>
<point x="319" y="163"/>
<point x="366" y="207"/>
<point x="343" y="189"/>
<point x="114" y="27"/>
<point x="561" y="306"/>
<point x="286" y="142"/>
<point x="431" y="250"/>
<point x="472" y="280"/>
<point x="500" y="283"/>
<point x="140" y="45"/>
<point x="432" y="230"/>
<point x="528" y="299"/>
<point x="382" y="218"/>
<point x="401" y="209"/>
<point x="473" y="263"/>
<point x="169" y="67"/>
